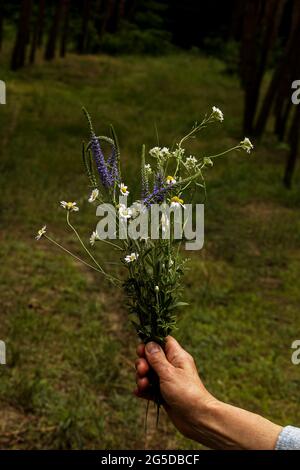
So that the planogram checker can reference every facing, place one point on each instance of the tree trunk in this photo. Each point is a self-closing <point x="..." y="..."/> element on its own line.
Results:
<point x="40" y="31"/>
<point x="294" y="141"/>
<point x="19" y="50"/>
<point x="261" y="24"/>
<point x="83" y="37"/>
<point x="280" y="72"/>
<point x="54" y="31"/>
<point x="65" y="30"/>
<point x="36" y="31"/>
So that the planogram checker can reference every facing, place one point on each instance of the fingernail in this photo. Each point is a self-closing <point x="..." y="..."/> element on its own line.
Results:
<point x="152" y="347"/>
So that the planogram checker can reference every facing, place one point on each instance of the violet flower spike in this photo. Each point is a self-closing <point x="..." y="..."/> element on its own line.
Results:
<point x="104" y="174"/>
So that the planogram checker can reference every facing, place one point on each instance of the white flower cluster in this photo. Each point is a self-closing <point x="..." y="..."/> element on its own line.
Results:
<point x="217" y="114"/>
<point x="162" y="153"/>
<point x="191" y="162"/>
<point x="247" y="145"/>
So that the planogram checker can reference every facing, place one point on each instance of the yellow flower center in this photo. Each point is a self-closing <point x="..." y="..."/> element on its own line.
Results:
<point x="177" y="199"/>
<point x="170" y="178"/>
<point x="70" y="205"/>
<point x="124" y="189"/>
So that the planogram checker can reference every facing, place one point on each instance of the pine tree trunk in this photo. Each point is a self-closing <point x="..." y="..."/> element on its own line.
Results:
<point x="83" y="37"/>
<point x="262" y="20"/>
<point x="19" y="50"/>
<point x="36" y="31"/>
<point x="64" y="37"/>
<point x="283" y="69"/>
<point x="54" y="31"/>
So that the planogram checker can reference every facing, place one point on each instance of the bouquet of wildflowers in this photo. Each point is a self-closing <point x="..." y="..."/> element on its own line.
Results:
<point x="146" y="233"/>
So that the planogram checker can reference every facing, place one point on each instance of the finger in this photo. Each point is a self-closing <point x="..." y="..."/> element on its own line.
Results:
<point x="142" y="383"/>
<point x="175" y="354"/>
<point x="157" y="360"/>
<point x="142" y="367"/>
<point x="140" y="350"/>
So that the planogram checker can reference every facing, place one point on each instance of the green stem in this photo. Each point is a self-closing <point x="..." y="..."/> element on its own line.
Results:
<point x="69" y="252"/>
<point x="83" y="245"/>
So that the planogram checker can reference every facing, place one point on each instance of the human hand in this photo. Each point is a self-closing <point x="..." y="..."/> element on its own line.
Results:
<point x="183" y="393"/>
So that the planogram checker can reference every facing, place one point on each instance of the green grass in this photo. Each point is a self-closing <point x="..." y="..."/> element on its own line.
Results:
<point x="70" y="349"/>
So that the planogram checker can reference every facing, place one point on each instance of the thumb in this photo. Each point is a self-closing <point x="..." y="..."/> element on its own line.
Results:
<point x="157" y="359"/>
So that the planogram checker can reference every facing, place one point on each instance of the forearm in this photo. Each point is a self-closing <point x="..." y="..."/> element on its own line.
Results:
<point x="222" y="426"/>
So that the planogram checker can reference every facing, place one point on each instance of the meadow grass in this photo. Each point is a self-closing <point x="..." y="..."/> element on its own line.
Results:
<point x="70" y="375"/>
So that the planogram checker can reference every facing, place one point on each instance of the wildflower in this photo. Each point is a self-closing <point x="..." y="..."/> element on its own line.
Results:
<point x="41" y="232"/>
<point x="164" y="152"/>
<point x="190" y="162"/>
<point x="124" y="212"/>
<point x="104" y="174"/>
<point x="93" y="238"/>
<point x="178" y="153"/>
<point x="176" y="202"/>
<point x="69" y="206"/>
<point x="207" y="161"/>
<point x="156" y="288"/>
<point x="123" y="189"/>
<point x="94" y="195"/>
<point x="217" y="114"/>
<point x="148" y="169"/>
<point x="132" y="257"/>
<point x="170" y="180"/>
<point x="246" y="145"/>
<point x="160" y="153"/>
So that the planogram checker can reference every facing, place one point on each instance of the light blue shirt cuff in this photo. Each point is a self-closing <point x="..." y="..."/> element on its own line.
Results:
<point x="288" y="439"/>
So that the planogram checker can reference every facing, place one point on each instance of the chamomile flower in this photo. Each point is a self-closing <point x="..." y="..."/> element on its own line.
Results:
<point x="94" y="195"/>
<point x="123" y="189"/>
<point x="132" y="257"/>
<point x="176" y="202"/>
<point x="170" y="180"/>
<point x="124" y="212"/>
<point x="41" y="232"/>
<point x="217" y="114"/>
<point x="69" y="206"/>
<point x="191" y="162"/>
<point x="93" y="238"/>
<point x="247" y="145"/>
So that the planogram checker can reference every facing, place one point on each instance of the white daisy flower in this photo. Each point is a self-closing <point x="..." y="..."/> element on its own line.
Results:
<point x="217" y="114"/>
<point x="170" y="180"/>
<point x="132" y="257"/>
<point x="191" y="162"/>
<point x="176" y="202"/>
<point x="156" y="288"/>
<point x="69" y="206"/>
<point x="41" y="232"/>
<point x="148" y="169"/>
<point x="93" y="238"/>
<point x="124" y="212"/>
<point x="123" y="189"/>
<point x="247" y="145"/>
<point x="94" y="195"/>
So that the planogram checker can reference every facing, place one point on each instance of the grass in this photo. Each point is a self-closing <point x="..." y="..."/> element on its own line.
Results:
<point x="70" y="349"/>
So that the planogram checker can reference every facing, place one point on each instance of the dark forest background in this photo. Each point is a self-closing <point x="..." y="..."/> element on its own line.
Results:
<point x="253" y="37"/>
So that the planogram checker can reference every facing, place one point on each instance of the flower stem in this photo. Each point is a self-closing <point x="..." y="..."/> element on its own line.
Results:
<point x="72" y="254"/>
<point x="83" y="245"/>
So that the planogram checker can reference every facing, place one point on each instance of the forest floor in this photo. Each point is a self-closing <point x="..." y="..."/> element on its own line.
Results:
<point x="70" y="350"/>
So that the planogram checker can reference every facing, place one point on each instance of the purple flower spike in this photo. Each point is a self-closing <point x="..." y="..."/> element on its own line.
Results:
<point x="159" y="191"/>
<point x="112" y="166"/>
<point x="104" y="174"/>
